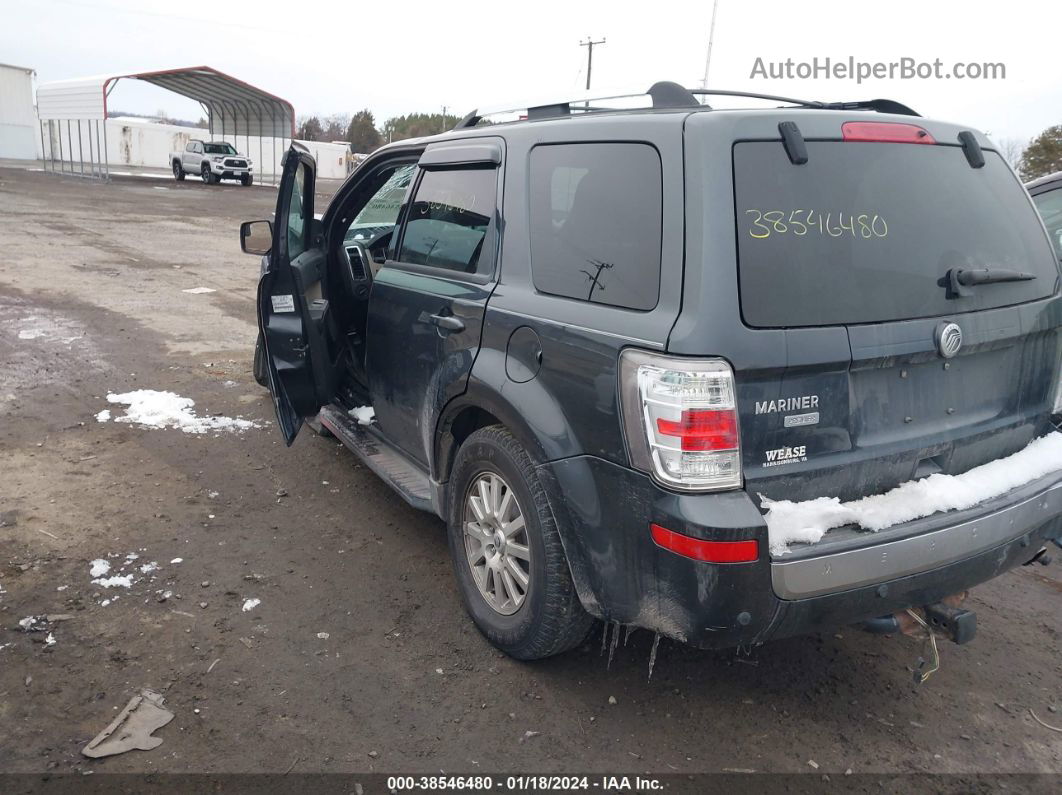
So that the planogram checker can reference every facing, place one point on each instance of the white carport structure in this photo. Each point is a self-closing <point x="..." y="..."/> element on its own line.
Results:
<point x="75" y="110"/>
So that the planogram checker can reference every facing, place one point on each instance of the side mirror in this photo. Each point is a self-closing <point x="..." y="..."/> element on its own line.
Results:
<point x="256" y="237"/>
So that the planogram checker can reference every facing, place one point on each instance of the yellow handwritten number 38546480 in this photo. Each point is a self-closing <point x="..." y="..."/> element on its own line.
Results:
<point x="802" y="222"/>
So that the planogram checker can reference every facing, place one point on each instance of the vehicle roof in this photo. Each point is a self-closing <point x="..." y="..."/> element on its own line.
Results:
<point x="742" y="123"/>
<point x="1049" y="182"/>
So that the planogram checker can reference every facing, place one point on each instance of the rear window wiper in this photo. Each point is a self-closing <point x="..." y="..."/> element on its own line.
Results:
<point x="957" y="279"/>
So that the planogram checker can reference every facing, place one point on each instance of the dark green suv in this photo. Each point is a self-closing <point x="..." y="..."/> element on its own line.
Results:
<point x="664" y="364"/>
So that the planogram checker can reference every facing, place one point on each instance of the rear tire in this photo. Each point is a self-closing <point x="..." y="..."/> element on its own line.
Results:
<point x="549" y="618"/>
<point x="178" y="172"/>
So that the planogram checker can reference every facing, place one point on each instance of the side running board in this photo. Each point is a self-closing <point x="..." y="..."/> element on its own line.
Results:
<point x="404" y="476"/>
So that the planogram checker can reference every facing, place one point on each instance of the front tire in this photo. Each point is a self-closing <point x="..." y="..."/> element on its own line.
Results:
<point x="178" y="172"/>
<point x="206" y="174"/>
<point x="246" y="179"/>
<point x="507" y="555"/>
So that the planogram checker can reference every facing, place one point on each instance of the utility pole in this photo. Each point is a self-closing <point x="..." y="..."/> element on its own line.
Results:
<point x="444" y="119"/>
<point x="711" y="35"/>
<point x="589" y="44"/>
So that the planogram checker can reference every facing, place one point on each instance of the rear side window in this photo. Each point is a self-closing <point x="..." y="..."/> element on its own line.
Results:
<point x="448" y="219"/>
<point x="595" y="219"/>
<point x="1050" y="206"/>
<point x="865" y="232"/>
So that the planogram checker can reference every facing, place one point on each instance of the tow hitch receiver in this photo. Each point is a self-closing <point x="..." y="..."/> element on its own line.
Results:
<point x="958" y="624"/>
<point x="948" y="620"/>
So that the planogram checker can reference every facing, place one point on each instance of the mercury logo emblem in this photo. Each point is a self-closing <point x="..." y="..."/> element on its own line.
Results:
<point x="949" y="339"/>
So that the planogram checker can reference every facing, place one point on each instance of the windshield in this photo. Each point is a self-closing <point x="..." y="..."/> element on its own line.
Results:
<point x="381" y="211"/>
<point x="219" y="149"/>
<point x="864" y="232"/>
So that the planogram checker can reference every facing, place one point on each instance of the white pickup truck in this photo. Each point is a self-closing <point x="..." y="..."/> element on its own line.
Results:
<point x="213" y="161"/>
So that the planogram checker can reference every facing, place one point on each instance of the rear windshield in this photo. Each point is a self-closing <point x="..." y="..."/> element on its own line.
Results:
<point x="864" y="232"/>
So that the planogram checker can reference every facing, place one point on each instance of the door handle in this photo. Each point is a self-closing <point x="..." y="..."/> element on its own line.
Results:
<point x="447" y="322"/>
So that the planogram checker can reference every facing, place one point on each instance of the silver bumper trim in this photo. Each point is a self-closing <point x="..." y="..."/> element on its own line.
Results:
<point x="814" y="576"/>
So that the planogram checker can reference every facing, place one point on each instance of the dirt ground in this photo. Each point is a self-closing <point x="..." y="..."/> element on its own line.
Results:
<point x="359" y="656"/>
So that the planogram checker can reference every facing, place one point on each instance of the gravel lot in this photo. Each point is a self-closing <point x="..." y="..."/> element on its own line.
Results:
<point x="359" y="656"/>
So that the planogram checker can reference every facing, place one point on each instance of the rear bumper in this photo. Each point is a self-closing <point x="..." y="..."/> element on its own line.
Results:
<point x="603" y="512"/>
<point x="926" y="544"/>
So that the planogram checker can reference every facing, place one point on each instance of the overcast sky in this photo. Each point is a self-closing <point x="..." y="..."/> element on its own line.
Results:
<point x="400" y="57"/>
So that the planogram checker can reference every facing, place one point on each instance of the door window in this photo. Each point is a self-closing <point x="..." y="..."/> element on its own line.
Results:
<point x="449" y="219"/>
<point x="297" y="210"/>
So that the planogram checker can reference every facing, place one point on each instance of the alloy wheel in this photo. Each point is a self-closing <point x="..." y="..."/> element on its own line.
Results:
<point x="496" y="543"/>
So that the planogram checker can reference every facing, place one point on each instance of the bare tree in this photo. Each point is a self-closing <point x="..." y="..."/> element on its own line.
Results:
<point x="1011" y="149"/>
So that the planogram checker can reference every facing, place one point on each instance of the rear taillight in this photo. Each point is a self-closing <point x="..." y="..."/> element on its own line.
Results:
<point x="680" y="419"/>
<point x="885" y="132"/>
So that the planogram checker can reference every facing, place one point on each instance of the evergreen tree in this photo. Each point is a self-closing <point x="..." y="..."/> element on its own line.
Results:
<point x="310" y="129"/>
<point x="362" y="133"/>
<point x="1043" y="155"/>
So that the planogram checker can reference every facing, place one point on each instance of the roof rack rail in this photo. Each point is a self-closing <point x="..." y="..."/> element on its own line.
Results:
<point x="666" y="94"/>
<point x="879" y="105"/>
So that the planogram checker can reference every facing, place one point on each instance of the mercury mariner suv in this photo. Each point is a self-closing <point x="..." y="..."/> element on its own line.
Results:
<point x="599" y="338"/>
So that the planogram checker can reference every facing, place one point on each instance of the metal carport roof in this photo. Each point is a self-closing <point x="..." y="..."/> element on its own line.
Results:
<point x="233" y="107"/>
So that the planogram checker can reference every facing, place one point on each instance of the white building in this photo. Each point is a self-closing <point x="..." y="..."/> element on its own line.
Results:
<point x="19" y="132"/>
<point x="143" y="142"/>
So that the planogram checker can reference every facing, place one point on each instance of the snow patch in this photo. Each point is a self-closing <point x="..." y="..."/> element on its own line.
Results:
<point x="150" y="408"/>
<point x="117" y="581"/>
<point x="147" y="568"/>
<point x="31" y="333"/>
<point x="50" y="640"/>
<point x="199" y="290"/>
<point x="807" y="522"/>
<point x="104" y="416"/>
<point x="251" y="604"/>
<point x="363" y="414"/>
<point x="177" y="560"/>
<point x="99" y="567"/>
